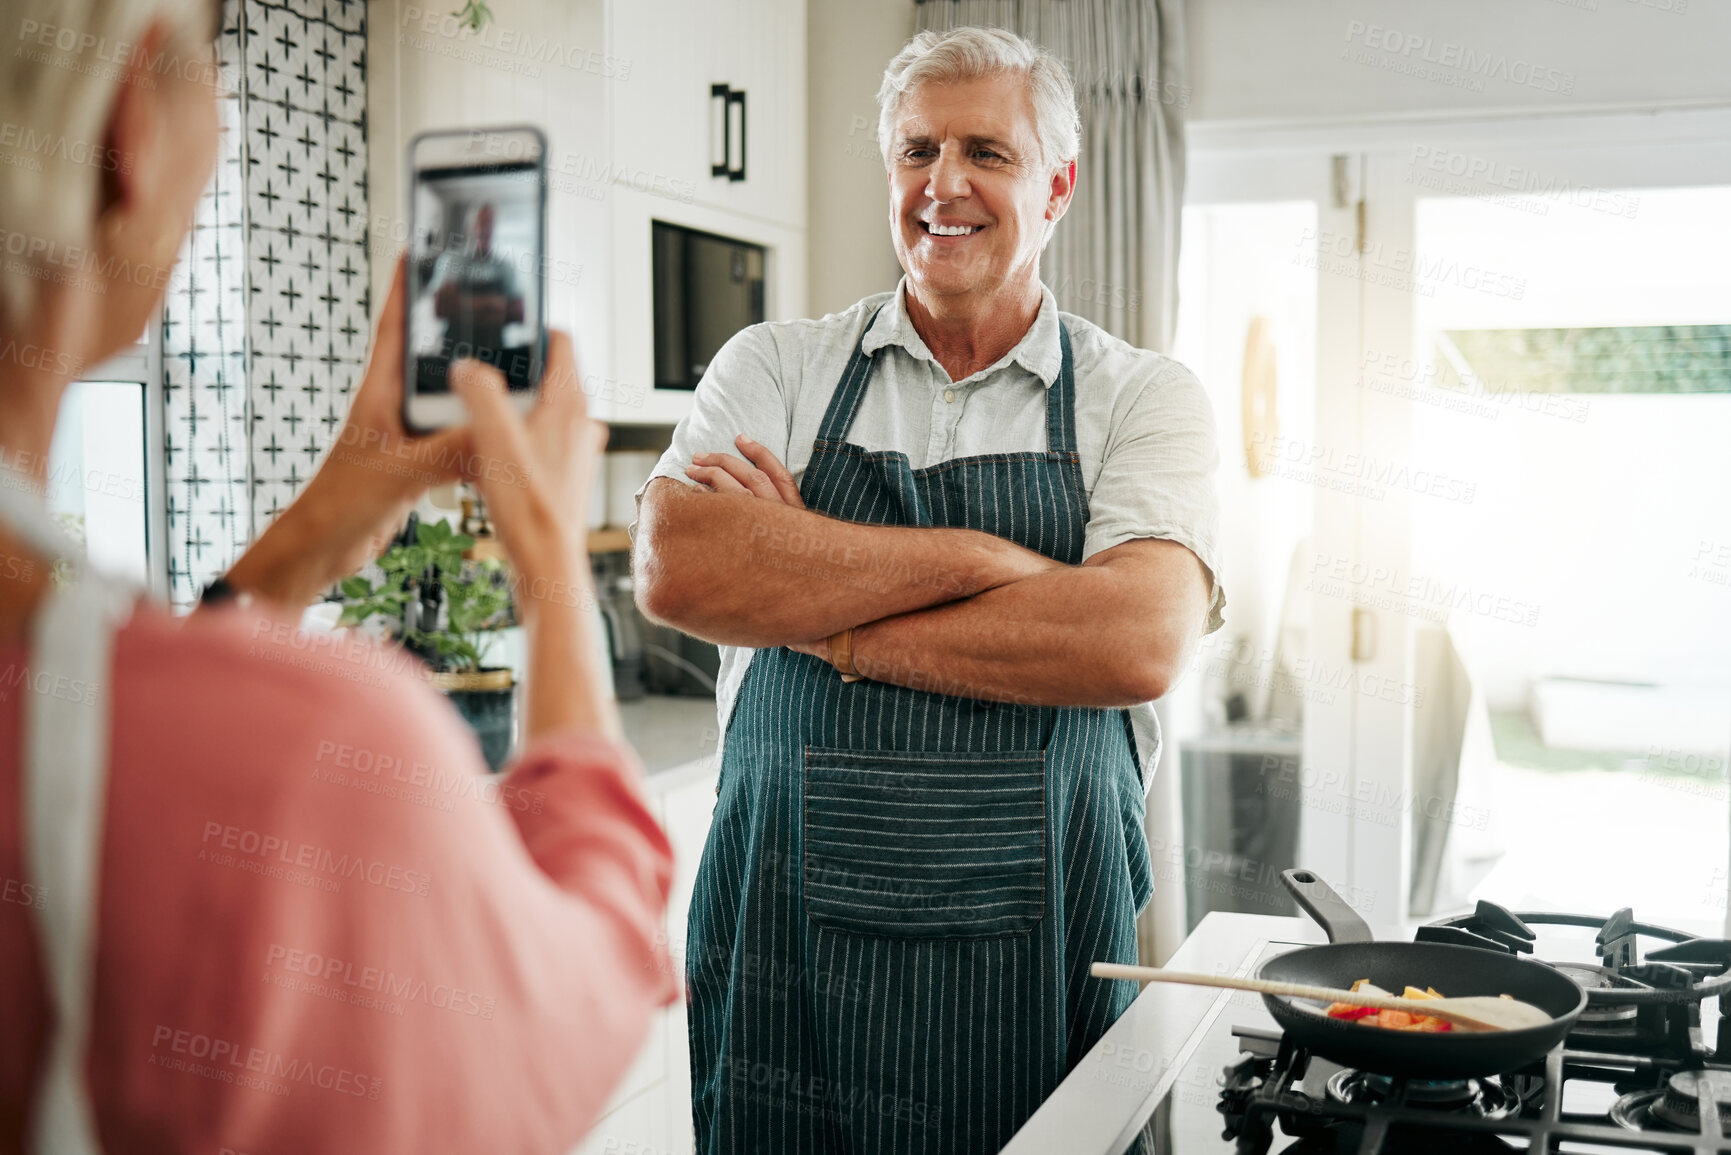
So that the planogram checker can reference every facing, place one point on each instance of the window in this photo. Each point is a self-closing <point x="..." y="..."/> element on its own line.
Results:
<point x="105" y="466"/>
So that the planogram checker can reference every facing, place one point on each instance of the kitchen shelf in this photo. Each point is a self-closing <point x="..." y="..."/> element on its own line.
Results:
<point x="609" y="540"/>
<point x="486" y="549"/>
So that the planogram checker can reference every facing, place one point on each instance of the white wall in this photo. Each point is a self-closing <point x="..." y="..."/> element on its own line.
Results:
<point x="1277" y="60"/>
<point x="1320" y="60"/>
<point x="1237" y="265"/>
<point x="848" y="239"/>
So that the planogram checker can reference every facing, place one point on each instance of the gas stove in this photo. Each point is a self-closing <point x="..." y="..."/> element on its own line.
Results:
<point x="1634" y="1075"/>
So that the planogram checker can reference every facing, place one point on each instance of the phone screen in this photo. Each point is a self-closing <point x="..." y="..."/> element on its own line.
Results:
<point x="475" y="260"/>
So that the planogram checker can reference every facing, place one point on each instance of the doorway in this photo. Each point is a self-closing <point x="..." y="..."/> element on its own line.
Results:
<point x="1503" y="547"/>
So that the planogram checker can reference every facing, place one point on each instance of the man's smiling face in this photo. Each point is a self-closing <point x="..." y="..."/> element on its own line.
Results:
<point x="969" y="192"/>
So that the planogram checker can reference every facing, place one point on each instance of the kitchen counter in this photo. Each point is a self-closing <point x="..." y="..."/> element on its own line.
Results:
<point x="669" y="733"/>
<point x="1104" y="1103"/>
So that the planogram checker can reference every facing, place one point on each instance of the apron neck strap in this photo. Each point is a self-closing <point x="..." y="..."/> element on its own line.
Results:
<point x="1061" y="401"/>
<point x="845" y="401"/>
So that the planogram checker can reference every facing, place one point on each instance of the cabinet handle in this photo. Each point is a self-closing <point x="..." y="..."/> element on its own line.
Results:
<point x="736" y="99"/>
<point x="718" y="130"/>
<point x="726" y="105"/>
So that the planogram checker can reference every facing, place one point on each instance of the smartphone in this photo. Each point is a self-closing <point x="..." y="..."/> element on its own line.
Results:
<point x="476" y="267"/>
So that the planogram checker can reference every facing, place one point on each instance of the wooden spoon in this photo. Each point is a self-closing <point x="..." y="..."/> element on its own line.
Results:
<point x="1475" y="1013"/>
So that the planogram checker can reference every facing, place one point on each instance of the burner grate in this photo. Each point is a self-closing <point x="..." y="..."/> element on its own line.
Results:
<point x="1675" y="1109"/>
<point x="1638" y="1002"/>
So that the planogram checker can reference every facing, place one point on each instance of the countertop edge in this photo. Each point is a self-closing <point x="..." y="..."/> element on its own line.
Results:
<point x="1103" y="1102"/>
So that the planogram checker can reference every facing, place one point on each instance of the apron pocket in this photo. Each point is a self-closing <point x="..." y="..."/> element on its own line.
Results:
<point x="916" y="845"/>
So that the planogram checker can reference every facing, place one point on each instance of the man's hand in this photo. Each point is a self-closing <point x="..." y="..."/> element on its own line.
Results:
<point x="762" y="476"/>
<point x="1116" y="630"/>
<point x="818" y="649"/>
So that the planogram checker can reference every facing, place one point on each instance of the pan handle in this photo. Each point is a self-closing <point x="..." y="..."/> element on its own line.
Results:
<point x="1330" y="911"/>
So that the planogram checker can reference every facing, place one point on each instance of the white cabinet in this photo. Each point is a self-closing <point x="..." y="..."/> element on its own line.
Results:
<point x="663" y="124"/>
<point x="539" y="62"/>
<point x="621" y="88"/>
<point x="650" y="1113"/>
<point x="660" y="113"/>
<point x="660" y="117"/>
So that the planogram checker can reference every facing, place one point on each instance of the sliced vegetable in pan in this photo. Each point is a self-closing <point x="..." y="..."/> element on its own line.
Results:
<point x="1391" y="1020"/>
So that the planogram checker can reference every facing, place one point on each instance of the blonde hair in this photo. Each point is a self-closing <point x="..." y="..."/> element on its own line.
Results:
<point x="971" y="53"/>
<point x="65" y="60"/>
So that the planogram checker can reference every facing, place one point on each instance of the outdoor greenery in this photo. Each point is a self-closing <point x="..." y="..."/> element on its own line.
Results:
<point x="1608" y="359"/>
<point x="441" y="604"/>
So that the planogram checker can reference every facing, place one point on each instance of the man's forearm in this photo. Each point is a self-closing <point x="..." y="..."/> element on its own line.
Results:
<point x="1078" y="636"/>
<point x="739" y="570"/>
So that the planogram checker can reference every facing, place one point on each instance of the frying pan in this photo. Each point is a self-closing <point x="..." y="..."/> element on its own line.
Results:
<point x="1454" y="970"/>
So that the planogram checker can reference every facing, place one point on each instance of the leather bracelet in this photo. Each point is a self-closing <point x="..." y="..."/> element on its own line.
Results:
<point x="220" y="592"/>
<point x="841" y="655"/>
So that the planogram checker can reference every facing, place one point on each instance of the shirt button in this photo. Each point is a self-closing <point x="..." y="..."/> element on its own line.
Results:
<point x="949" y="394"/>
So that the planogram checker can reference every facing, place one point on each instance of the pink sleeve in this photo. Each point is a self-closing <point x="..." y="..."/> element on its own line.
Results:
<point x="325" y="927"/>
<point x="622" y="863"/>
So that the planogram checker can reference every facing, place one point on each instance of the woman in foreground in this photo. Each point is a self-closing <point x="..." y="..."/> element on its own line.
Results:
<point x="258" y="894"/>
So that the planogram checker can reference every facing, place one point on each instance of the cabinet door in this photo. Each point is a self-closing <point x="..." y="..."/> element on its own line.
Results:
<point x="761" y="48"/>
<point x="640" y="1127"/>
<point x="665" y="134"/>
<point x="661" y="107"/>
<point x="689" y="808"/>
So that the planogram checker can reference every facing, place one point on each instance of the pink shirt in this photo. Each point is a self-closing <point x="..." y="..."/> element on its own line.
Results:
<point x="323" y="927"/>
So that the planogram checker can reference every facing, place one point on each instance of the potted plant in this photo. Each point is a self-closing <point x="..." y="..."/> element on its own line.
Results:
<point x="442" y="605"/>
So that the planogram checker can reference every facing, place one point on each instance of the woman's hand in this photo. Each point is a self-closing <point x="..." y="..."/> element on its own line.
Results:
<point x="363" y="492"/>
<point x="763" y="476"/>
<point x="377" y="470"/>
<point x="535" y="475"/>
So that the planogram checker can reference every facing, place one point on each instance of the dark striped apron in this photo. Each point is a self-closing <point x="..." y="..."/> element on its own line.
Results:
<point x="902" y="889"/>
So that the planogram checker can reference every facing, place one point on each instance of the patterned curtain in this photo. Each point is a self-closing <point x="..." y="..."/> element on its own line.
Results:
<point x="1114" y="257"/>
<point x="265" y="328"/>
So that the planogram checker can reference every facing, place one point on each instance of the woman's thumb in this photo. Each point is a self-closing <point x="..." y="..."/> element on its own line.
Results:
<point x="497" y="429"/>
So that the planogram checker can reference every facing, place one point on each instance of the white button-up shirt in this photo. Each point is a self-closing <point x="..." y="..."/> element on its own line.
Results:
<point x="1144" y="426"/>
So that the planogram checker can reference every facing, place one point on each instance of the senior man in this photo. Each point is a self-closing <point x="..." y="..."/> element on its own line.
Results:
<point x="945" y="618"/>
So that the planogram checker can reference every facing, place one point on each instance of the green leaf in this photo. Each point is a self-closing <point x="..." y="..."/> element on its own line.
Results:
<point x="474" y="596"/>
<point x="474" y="14"/>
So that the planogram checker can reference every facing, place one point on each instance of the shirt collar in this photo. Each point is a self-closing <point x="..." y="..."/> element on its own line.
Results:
<point x="1039" y="351"/>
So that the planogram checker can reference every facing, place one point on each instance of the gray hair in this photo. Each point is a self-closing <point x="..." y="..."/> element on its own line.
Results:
<point x="64" y="66"/>
<point x="971" y="53"/>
